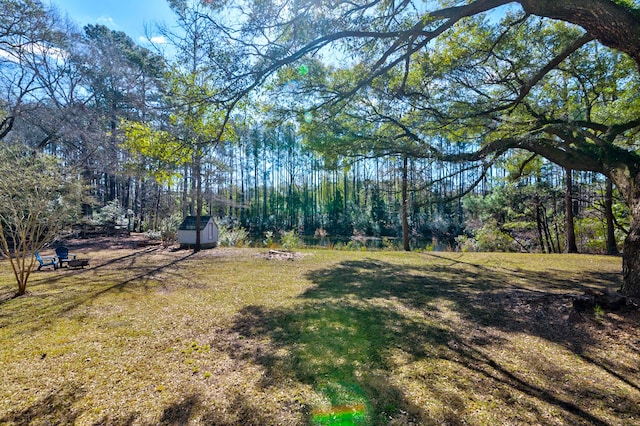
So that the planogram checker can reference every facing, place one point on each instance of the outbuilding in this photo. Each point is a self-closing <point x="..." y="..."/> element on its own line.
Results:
<point x="208" y="232"/>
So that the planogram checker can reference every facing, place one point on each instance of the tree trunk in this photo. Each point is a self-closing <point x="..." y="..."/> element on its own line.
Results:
<point x="156" y="212"/>
<point x="612" y="246"/>
<point x="405" y="206"/>
<point x="140" y="206"/>
<point x="631" y="258"/>
<point x="630" y="188"/>
<point x="547" y="233"/>
<point x="571" y="246"/>
<point x="198" y="175"/>
<point x="539" y="227"/>
<point x="185" y="192"/>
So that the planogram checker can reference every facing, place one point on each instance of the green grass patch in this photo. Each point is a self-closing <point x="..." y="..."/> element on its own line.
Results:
<point x="229" y="337"/>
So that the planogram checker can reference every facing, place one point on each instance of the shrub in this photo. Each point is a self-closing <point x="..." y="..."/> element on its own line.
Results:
<point x="169" y="229"/>
<point x="354" y="245"/>
<point x="389" y="244"/>
<point x="112" y="213"/>
<point x="290" y="240"/>
<point x="491" y="238"/>
<point x="269" y="241"/>
<point x="229" y="236"/>
<point x="466" y="243"/>
<point x="154" y="234"/>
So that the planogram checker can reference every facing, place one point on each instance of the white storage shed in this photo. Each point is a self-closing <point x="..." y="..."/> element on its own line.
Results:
<point x="208" y="232"/>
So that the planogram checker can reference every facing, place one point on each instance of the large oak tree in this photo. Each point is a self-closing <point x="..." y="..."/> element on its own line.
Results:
<point x="382" y="37"/>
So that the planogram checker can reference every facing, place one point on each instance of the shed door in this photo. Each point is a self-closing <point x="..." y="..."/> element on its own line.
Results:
<point x="210" y="227"/>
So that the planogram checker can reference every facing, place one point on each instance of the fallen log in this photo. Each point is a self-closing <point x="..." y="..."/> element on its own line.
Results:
<point x="280" y="254"/>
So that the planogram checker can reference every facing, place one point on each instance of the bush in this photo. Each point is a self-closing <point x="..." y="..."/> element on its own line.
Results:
<point x="111" y="214"/>
<point x="269" y="241"/>
<point x="389" y="244"/>
<point x="229" y="236"/>
<point x="355" y="245"/>
<point x="466" y="243"/>
<point x="153" y="234"/>
<point x="491" y="238"/>
<point x="169" y="229"/>
<point x="290" y="240"/>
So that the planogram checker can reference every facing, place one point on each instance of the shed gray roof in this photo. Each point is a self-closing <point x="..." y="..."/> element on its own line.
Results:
<point x="189" y="223"/>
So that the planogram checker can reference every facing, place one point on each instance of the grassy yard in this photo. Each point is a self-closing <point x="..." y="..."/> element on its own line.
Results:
<point x="150" y="336"/>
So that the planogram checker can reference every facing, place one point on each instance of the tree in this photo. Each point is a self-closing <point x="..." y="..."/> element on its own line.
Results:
<point x="33" y="210"/>
<point x="570" y="246"/>
<point x="495" y="73"/>
<point x="193" y="126"/>
<point x="612" y="245"/>
<point x="122" y="79"/>
<point x="586" y="129"/>
<point x="38" y="82"/>
<point x="157" y="153"/>
<point x="44" y="84"/>
<point x="27" y="30"/>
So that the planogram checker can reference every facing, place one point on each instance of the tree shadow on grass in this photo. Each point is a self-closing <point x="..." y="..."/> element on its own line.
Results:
<point x="549" y="280"/>
<point x="341" y="349"/>
<point x="58" y="295"/>
<point x="347" y="331"/>
<point x="180" y="412"/>
<point x="55" y="276"/>
<point x="55" y="408"/>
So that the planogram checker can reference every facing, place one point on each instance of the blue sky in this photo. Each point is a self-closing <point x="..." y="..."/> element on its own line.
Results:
<point x="129" y="16"/>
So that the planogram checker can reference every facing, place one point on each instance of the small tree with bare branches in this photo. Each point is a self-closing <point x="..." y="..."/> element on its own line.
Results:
<point x="35" y="202"/>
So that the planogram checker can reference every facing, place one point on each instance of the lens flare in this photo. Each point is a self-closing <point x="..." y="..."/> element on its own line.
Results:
<point x="342" y="415"/>
<point x="308" y="117"/>
<point x="303" y="70"/>
<point x="291" y="86"/>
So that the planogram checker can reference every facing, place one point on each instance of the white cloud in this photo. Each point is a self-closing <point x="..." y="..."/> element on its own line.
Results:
<point x="107" y="21"/>
<point x="153" y="39"/>
<point x="35" y="49"/>
<point x="53" y="52"/>
<point x="4" y="54"/>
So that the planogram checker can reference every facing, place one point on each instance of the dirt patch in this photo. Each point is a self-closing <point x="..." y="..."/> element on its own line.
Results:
<point x="132" y="241"/>
<point x="142" y="241"/>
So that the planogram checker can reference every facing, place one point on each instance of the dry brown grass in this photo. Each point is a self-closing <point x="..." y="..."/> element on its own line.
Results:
<point x="151" y="336"/>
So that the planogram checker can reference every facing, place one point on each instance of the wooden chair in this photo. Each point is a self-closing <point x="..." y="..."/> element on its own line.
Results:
<point x="46" y="261"/>
<point x="64" y="256"/>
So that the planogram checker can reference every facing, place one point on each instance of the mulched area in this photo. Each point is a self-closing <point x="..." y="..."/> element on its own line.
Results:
<point x="133" y="241"/>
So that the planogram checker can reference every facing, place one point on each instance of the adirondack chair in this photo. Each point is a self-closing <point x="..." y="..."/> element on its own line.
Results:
<point x="64" y="256"/>
<point x="46" y="261"/>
